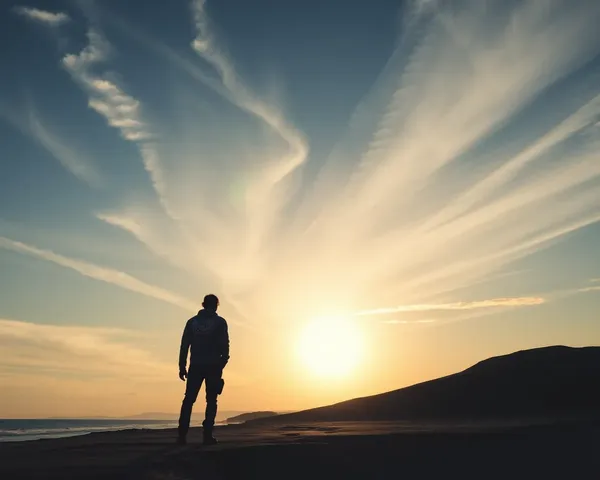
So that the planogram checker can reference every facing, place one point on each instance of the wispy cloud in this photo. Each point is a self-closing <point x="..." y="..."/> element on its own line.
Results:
<point x="71" y="371"/>
<point x="263" y="201"/>
<point x="409" y="322"/>
<point x="260" y="179"/>
<point x="74" y="162"/>
<point x="113" y="277"/>
<point x="418" y="8"/>
<point x="55" y="349"/>
<point x="79" y="371"/>
<point x="206" y="45"/>
<point x="491" y="303"/>
<point x="106" y="98"/>
<point x="52" y="19"/>
<point x="442" y="195"/>
<point x="30" y="123"/>
<point x="120" y="110"/>
<point x="591" y="288"/>
<point x="449" y="187"/>
<point x="168" y="244"/>
<point x="49" y="348"/>
<point x="453" y="167"/>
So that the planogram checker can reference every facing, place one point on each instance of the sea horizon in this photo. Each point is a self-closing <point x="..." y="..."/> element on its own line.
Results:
<point x="28" y="429"/>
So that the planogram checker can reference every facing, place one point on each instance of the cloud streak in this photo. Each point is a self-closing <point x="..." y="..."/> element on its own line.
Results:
<point x="32" y="347"/>
<point x="53" y="19"/>
<point x="263" y="202"/>
<point x="74" y="162"/>
<point x="409" y="322"/>
<point x="103" y="274"/>
<point x="457" y="174"/>
<point x="120" y="110"/>
<point x="591" y="288"/>
<point x="205" y="44"/>
<point x="476" y="147"/>
<point x="245" y="210"/>
<point x="445" y="192"/>
<point x="491" y="303"/>
<point x="85" y="368"/>
<point x="30" y="123"/>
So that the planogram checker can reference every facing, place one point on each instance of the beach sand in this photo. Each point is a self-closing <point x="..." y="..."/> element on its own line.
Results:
<point x="377" y="450"/>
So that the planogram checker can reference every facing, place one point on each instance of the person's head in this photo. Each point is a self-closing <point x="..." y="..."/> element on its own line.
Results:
<point x="211" y="303"/>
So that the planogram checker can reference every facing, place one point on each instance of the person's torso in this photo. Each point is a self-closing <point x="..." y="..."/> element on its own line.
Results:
<point x="207" y="330"/>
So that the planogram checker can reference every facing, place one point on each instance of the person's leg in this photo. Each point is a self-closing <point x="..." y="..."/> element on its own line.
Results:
<point x="194" y="382"/>
<point x="213" y="384"/>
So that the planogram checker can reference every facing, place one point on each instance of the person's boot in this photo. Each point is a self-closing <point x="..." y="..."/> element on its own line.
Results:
<point x="208" y="439"/>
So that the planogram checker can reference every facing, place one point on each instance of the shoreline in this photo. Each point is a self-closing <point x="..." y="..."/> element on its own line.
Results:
<point x="78" y="427"/>
<point x="316" y="450"/>
<point x="406" y="425"/>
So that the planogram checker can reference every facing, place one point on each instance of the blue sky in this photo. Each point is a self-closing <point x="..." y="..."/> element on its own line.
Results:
<point x="428" y="172"/>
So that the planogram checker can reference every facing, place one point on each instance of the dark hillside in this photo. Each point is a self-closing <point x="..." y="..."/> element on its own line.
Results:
<point x="543" y="382"/>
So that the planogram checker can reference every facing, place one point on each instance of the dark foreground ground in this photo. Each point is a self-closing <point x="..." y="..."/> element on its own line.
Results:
<point x="566" y="450"/>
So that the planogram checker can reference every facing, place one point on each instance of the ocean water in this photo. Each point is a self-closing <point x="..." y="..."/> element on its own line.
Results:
<point x="12" y="430"/>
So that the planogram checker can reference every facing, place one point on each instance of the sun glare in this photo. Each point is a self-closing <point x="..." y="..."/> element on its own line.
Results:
<point x="330" y="346"/>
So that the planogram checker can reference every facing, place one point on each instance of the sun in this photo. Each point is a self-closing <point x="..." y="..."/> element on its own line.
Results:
<point x="331" y="347"/>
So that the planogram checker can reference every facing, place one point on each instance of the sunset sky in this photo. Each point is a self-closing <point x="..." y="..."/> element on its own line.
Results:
<point x="379" y="196"/>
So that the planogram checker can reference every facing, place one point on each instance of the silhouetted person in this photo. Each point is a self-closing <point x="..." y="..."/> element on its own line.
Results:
<point x="208" y="337"/>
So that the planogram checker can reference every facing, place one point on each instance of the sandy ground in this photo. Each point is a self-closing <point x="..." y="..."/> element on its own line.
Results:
<point x="312" y="451"/>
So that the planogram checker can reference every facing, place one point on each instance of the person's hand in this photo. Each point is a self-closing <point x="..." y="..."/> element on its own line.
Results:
<point x="183" y="374"/>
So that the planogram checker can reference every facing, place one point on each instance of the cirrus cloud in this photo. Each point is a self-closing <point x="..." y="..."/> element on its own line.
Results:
<point x="490" y="303"/>
<point x="107" y="275"/>
<point x="53" y="19"/>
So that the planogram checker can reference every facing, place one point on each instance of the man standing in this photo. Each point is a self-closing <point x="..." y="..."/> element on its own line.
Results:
<point x="208" y="337"/>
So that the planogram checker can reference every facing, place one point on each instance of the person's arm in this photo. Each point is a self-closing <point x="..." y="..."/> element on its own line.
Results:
<point x="183" y="350"/>
<point x="225" y="344"/>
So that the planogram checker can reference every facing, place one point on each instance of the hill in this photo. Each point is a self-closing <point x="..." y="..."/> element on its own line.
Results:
<point x="244" y="417"/>
<point x="543" y="382"/>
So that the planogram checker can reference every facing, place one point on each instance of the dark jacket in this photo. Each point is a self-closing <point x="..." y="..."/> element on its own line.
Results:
<point x="207" y="335"/>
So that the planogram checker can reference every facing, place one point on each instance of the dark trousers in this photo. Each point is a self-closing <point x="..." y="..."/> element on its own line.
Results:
<point x="196" y="376"/>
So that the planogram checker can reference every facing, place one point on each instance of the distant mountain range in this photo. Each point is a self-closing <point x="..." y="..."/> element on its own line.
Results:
<point x="543" y="382"/>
